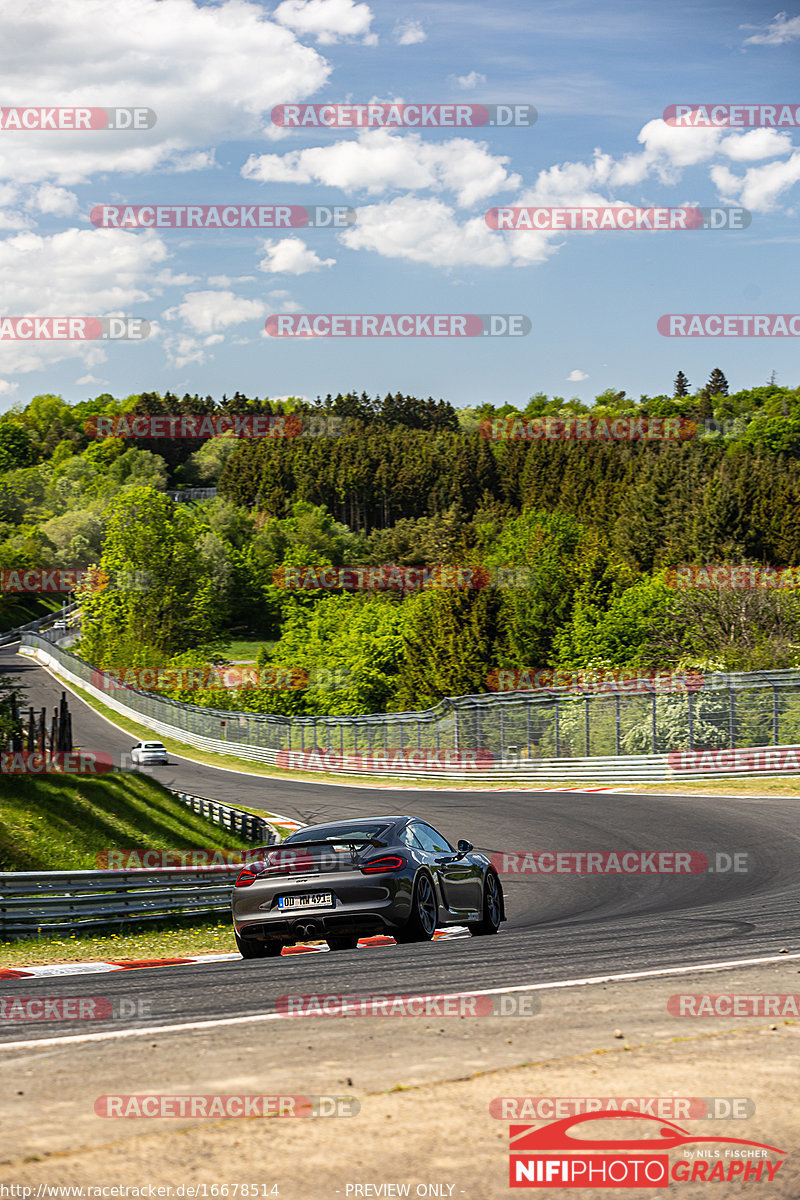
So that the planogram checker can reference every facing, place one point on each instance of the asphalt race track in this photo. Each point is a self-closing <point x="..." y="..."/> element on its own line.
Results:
<point x="559" y="927"/>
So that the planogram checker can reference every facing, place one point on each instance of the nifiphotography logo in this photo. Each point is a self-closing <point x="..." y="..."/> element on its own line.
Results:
<point x="560" y="1155"/>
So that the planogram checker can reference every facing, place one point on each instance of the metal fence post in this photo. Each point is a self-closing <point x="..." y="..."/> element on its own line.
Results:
<point x="774" y="715"/>
<point x="655" y="736"/>
<point x="586" y="719"/>
<point x="690" y="713"/>
<point x="617" y="720"/>
<point x="558" y="741"/>
<point x="732" y="721"/>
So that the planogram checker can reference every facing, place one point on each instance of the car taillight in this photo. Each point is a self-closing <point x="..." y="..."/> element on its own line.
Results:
<point x="377" y="866"/>
<point x="245" y="877"/>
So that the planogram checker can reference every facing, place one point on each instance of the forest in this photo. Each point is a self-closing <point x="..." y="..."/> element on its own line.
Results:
<point x="392" y="551"/>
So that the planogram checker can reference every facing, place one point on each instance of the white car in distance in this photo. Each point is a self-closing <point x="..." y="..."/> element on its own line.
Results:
<point x="148" y="752"/>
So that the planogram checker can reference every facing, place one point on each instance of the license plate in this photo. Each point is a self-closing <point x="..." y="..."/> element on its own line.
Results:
<point x="312" y="900"/>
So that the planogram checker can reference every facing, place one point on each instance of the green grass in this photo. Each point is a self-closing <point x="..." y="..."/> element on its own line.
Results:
<point x="245" y="649"/>
<point x="176" y="939"/>
<point x="20" y="611"/>
<point x="61" y="823"/>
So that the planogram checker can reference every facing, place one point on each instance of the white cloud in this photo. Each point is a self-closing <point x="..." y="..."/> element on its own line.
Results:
<point x="7" y="387"/>
<point x="226" y="281"/>
<point x="467" y="82"/>
<point x="208" y="312"/>
<point x="292" y="257"/>
<point x="381" y="161"/>
<point x="758" y="143"/>
<point x="87" y="379"/>
<point x="576" y="376"/>
<point x="760" y="187"/>
<point x="79" y="272"/>
<point x="428" y="231"/>
<point x="209" y="72"/>
<point x="54" y="200"/>
<point x="409" y="33"/>
<point x="328" y="21"/>
<point x="781" y="29"/>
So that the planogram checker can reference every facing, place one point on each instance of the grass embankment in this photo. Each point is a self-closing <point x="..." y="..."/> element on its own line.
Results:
<point x="58" y="823"/>
<point x="16" y="611"/>
<point x="173" y="939"/>
<point x="61" y="823"/>
<point x="244" y="649"/>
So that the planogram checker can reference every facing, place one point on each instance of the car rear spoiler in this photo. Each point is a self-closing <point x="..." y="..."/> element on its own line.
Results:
<point x="247" y="855"/>
<point x="342" y="841"/>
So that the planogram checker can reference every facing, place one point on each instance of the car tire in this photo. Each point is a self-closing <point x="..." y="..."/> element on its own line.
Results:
<point x="255" y="948"/>
<point x="342" y="941"/>
<point x="421" y="925"/>
<point x="492" y="907"/>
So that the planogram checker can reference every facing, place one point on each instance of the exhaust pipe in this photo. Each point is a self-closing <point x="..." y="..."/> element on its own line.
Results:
<point x="308" y="930"/>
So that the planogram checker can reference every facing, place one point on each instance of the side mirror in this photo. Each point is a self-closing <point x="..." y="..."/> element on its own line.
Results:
<point x="464" y="847"/>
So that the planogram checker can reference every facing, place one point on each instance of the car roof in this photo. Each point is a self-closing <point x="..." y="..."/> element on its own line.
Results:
<point x="360" y="821"/>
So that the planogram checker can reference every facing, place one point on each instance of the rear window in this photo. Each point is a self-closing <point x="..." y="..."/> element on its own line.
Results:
<point x="154" y="745"/>
<point x="339" y="832"/>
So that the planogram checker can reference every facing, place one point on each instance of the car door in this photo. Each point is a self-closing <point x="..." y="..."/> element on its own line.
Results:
<point x="460" y="881"/>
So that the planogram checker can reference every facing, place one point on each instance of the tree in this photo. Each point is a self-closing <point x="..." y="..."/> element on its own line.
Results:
<point x="717" y="383"/>
<point x="16" y="447"/>
<point x="149" y="537"/>
<point x="681" y="385"/>
<point x="544" y="548"/>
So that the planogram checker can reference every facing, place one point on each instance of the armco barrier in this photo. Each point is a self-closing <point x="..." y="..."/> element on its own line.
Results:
<point x="36" y="626"/>
<point x="48" y="901"/>
<point x="486" y="738"/>
<point x="242" y="824"/>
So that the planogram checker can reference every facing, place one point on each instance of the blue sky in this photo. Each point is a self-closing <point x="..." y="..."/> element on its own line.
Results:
<point x="599" y="74"/>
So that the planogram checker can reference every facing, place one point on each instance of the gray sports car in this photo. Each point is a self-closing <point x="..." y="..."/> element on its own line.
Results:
<point x="350" y="879"/>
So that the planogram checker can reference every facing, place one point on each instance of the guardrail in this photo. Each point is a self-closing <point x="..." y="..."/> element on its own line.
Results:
<point x="511" y="737"/>
<point x="242" y="824"/>
<point x="60" y="901"/>
<point x="36" y="626"/>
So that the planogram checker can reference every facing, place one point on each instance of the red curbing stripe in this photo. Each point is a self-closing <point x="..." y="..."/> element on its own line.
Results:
<point x="7" y="973"/>
<point x="135" y="964"/>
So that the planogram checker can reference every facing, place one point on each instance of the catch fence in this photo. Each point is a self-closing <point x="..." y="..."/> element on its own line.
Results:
<point x="558" y="732"/>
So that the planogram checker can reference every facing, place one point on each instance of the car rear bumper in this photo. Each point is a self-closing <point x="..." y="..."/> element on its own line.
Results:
<point x="309" y="926"/>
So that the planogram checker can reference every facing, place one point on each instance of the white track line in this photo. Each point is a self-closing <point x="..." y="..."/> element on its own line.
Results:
<point x="219" y="1022"/>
